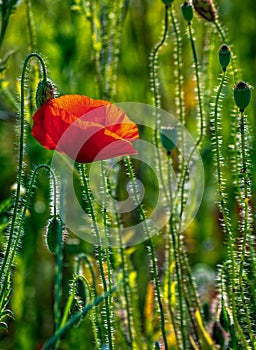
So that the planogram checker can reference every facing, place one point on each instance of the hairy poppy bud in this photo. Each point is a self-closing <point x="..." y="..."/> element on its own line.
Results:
<point x="206" y="9"/>
<point x="187" y="11"/>
<point x="169" y="138"/>
<point x="224" y="56"/>
<point x="225" y="321"/>
<point x="81" y="291"/>
<point x="54" y="230"/>
<point x="242" y="95"/>
<point x="44" y="92"/>
<point x="167" y="2"/>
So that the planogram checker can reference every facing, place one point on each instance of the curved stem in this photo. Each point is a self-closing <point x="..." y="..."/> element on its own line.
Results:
<point x="154" y="57"/>
<point x="22" y="218"/>
<point x="7" y="260"/>
<point x="181" y="185"/>
<point x="61" y="332"/>
<point x="153" y="65"/>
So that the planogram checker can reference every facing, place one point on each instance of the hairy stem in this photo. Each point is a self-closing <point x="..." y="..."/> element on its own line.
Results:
<point x="151" y="250"/>
<point x="8" y="259"/>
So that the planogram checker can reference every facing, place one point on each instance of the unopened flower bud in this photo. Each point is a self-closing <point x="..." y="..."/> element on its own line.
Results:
<point x="187" y="11"/>
<point x="224" y="56"/>
<point x="242" y="95"/>
<point x="53" y="232"/>
<point x="225" y="318"/>
<point x="44" y="92"/>
<point x="206" y="9"/>
<point x="81" y="291"/>
<point x="169" y="138"/>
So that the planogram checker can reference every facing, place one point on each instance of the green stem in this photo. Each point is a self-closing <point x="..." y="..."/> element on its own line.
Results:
<point x="124" y="270"/>
<point x="246" y="224"/>
<point x="181" y="185"/>
<point x="99" y="249"/>
<point x="200" y="103"/>
<point x="107" y="250"/>
<point x="178" y="62"/>
<point x="151" y="250"/>
<point x="95" y="43"/>
<point x="176" y="259"/>
<point x="7" y="262"/>
<point x="223" y="208"/>
<point x="59" y="262"/>
<point x="84" y="257"/>
<point x="22" y="219"/>
<point x="31" y="27"/>
<point x="61" y="332"/>
<point x="245" y="193"/>
<point x="5" y="18"/>
<point x="153" y="67"/>
<point x="154" y="60"/>
<point x="96" y="322"/>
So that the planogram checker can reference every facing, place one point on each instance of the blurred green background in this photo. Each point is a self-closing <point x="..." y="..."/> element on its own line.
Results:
<point x="62" y="37"/>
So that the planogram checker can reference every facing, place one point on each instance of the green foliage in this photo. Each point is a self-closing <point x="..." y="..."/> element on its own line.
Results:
<point x="152" y="295"/>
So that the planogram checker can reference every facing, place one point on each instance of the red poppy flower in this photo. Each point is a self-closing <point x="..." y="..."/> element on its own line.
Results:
<point x="84" y="129"/>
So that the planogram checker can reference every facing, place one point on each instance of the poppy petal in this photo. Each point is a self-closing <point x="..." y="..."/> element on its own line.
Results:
<point x="83" y="128"/>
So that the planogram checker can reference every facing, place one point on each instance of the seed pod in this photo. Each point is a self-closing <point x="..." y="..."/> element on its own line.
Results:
<point x="206" y="9"/>
<point x="224" y="56"/>
<point x="53" y="232"/>
<point x="187" y="11"/>
<point x="242" y="95"/>
<point x="44" y="92"/>
<point x="169" y="138"/>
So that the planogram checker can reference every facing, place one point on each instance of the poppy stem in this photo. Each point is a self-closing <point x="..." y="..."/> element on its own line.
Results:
<point x="99" y="249"/>
<point x="151" y="250"/>
<point x="246" y="216"/>
<point x="21" y="218"/>
<point x="11" y="246"/>
<point x="223" y="207"/>
<point x="199" y="94"/>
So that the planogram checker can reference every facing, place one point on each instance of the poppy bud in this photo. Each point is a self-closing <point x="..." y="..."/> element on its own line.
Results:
<point x="168" y="2"/>
<point x="206" y="9"/>
<point x="225" y="318"/>
<point x="53" y="231"/>
<point x="81" y="291"/>
<point x="242" y="95"/>
<point x="169" y="138"/>
<point x="187" y="11"/>
<point x="224" y="56"/>
<point x="44" y="92"/>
